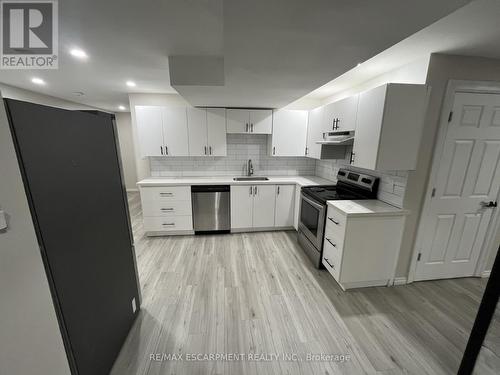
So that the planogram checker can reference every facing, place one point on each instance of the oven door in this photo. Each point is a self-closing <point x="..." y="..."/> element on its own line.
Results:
<point x="312" y="220"/>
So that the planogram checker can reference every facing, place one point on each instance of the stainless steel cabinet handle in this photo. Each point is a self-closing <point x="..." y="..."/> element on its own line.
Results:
<point x="331" y="243"/>
<point x="333" y="221"/>
<point x="251" y="190"/>
<point x="161" y="149"/>
<point x="166" y="194"/>
<point x="210" y="150"/>
<point x="251" y="128"/>
<point x="278" y="190"/>
<point x="168" y="224"/>
<point x="307" y="150"/>
<point x="255" y="190"/>
<point x="205" y="150"/>
<point x="167" y="209"/>
<point x="246" y="129"/>
<point x="331" y="265"/>
<point x="166" y="150"/>
<point x="274" y="150"/>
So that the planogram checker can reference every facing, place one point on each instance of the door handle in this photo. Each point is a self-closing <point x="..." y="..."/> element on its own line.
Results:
<point x="489" y="204"/>
<point x="331" y="243"/>
<point x="331" y="265"/>
<point x="333" y="221"/>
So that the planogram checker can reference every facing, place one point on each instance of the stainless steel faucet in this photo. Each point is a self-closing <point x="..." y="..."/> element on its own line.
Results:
<point x="249" y="168"/>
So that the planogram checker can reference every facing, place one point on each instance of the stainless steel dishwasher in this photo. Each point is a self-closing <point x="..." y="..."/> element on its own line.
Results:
<point x="211" y="208"/>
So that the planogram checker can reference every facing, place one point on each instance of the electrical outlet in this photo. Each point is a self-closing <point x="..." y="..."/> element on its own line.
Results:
<point x="134" y="306"/>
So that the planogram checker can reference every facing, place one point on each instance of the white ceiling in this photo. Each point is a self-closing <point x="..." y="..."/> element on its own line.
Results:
<point x="274" y="51"/>
<point x="473" y="30"/>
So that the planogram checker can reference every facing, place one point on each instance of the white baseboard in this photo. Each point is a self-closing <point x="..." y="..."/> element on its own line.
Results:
<point x="400" y="281"/>
<point x="485" y="273"/>
<point x="132" y="190"/>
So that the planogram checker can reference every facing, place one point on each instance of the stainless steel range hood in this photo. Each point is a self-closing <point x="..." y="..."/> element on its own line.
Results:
<point x="337" y="138"/>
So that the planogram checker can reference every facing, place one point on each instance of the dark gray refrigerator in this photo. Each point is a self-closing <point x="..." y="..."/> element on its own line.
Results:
<point x="72" y="175"/>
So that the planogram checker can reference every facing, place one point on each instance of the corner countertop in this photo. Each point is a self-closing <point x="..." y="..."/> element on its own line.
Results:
<point x="368" y="207"/>
<point x="228" y="180"/>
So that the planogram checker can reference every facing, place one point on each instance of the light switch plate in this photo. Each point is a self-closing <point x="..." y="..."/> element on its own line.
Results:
<point x="3" y="220"/>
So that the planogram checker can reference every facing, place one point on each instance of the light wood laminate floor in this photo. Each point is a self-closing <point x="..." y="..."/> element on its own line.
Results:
<point x="258" y="293"/>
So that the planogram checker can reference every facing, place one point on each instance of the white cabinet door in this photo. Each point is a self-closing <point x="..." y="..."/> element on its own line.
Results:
<point x="238" y="121"/>
<point x="341" y="115"/>
<point x="261" y="121"/>
<point x="149" y="130"/>
<point x="263" y="206"/>
<point x="314" y="133"/>
<point x="285" y="206"/>
<point x="175" y="132"/>
<point x="197" y="131"/>
<point x="216" y="125"/>
<point x="368" y="128"/>
<point x="289" y="133"/>
<point x="241" y="206"/>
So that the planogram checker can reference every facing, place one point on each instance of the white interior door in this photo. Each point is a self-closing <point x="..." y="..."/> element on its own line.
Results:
<point x="197" y="131"/>
<point x="149" y="130"/>
<point x="455" y="222"/>
<point x="216" y="124"/>
<point x="175" y="131"/>
<point x="263" y="206"/>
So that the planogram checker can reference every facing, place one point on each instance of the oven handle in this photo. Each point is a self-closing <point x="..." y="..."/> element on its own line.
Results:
<point x="312" y="203"/>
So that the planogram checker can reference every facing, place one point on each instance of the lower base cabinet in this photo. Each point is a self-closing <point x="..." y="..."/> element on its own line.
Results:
<point x="255" y="207"/>
<point x="362" y="251"/>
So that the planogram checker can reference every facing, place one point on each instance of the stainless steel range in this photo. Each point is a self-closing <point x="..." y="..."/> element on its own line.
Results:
<point x="350" y="185"/>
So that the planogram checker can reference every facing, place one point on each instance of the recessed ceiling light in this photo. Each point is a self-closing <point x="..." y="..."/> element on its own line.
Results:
<point x="122" y="108"/>
<point x="38" y="81"/>
<point x="79" y="53"/>
<point x="131" y="84"/>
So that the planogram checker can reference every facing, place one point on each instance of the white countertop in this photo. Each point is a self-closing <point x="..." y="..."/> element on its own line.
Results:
<point x="228" y="180"/>
<point x="367" y="207"/>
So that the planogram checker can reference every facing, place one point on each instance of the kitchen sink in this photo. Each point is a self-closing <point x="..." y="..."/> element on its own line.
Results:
<point x="250" y="179"/>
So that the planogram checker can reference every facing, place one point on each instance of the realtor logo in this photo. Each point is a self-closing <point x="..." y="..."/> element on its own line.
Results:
<point x="29" y="34"/>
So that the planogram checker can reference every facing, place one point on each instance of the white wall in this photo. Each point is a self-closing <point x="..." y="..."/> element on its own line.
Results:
<point x="127" y="153"/>
<point x="30" y="339"/>
<point x="169" y="100"/>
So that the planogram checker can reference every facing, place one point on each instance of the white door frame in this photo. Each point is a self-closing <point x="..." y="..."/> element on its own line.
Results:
<point x="455" y="86"/>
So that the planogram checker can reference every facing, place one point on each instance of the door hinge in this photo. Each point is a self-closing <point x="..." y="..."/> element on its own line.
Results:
<point x="450" y="116"/>
<point x="419" y="256"/>
<point x="433" y="193"/>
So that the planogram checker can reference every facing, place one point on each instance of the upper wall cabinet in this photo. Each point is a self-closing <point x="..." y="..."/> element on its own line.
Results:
<point x="314" y="133"/>
<point x="256" y="121"/>
<point x="341" y="116"/>
<point x="207" y="131"/>
<point x="162" y="131"/>
<point x="389" y="127"/>
<point x="289" y="133"/>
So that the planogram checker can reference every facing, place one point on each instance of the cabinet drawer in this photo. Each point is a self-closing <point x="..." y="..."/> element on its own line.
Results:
<point x="166" y="208"/>
<point x="334" y="239"/>
<point x="332" y="259"/>
<point x="335" y="221"/>
<point x="168" y="223"/>
<point x="167" y="193"/>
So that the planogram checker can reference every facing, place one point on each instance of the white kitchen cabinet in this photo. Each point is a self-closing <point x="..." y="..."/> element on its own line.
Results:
<point x="252" y="206"/>
<point x="207" y="132"/>
<point x="162" y="131"/>
<point x="261" y="121"/>
<point x="263" y="206"/>
<point x="289" y="133"/>
<point x="369" y="259"/>
<point x="149" y="130"/>
<point x="389" y="127"/>
<point x="241" y="206"/>
<point x="285" y="206"/>
<point x="341" y="115"/>
<point x="314" y="133"/>
<point x="257" y="121"/>
<point x="197" y="131"/>
<point x="216" y="129"/>
<point x="175" y="131"/>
